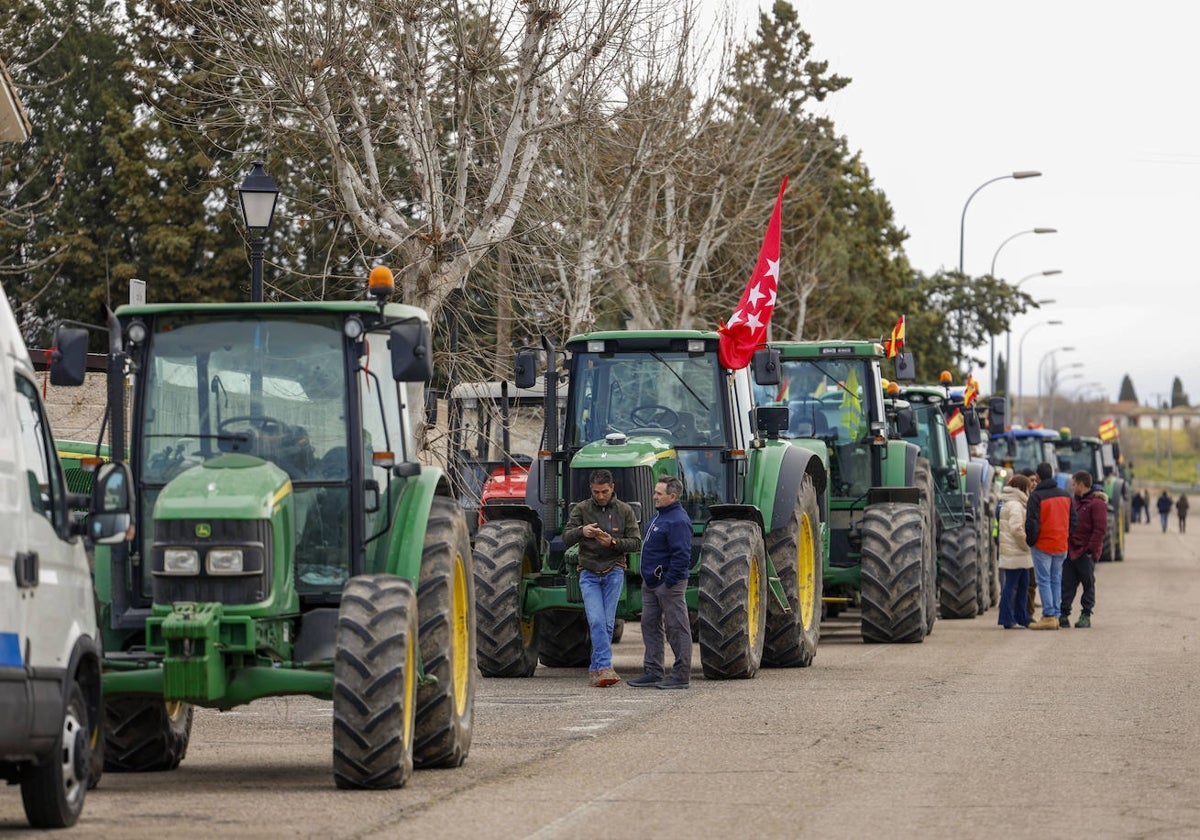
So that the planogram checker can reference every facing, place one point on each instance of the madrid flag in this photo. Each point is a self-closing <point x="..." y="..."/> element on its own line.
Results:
<point x="746" y="329"/>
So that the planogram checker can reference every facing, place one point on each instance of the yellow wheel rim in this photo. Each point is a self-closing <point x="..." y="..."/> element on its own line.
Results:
<point x="527" y="625"/>
<point x="806" y="567"/>
<point x="754" y="601"/>
<point x="410" y="686"/>
<point x="460" y="636"/>
<point x="174" y="709"/>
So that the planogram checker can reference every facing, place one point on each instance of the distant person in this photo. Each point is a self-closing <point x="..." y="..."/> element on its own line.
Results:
<point x="1087" y="540"/>
<point x="1146" y="505"/>
<point x="1049" y="518"/>
<point x="1016" y="563"/>
<point x="1181" y="508"/>
<point x="666" y="560"/>
<point x="1137" y="505"/>
<point x="606" y="530"/>
<point x="1164" y="509"/>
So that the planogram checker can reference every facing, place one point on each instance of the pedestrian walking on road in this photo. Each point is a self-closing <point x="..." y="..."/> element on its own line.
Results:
<point x="1146" y="504"/>
<point x="1164" y="509"/>
<point x="1016" y="563"/>
<point x="1086" y="541"/>
<point x="1181" y="508"/>
<point x="666" y="560"/>
<point x="1049" y="518"/>
<point x="606" y="530"/>
<point x="1136" y="506"/>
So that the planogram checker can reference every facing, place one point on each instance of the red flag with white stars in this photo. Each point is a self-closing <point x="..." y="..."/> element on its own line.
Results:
<point x="746" y="329"/>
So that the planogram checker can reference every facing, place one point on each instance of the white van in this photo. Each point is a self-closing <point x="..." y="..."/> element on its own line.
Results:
<point x="50" y="695"/>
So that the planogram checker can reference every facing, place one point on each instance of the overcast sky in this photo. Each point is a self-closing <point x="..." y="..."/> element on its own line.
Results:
<point x="1101" y="98"/>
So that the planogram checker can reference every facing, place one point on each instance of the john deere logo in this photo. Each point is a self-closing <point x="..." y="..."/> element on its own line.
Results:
<point x="203" y="531"/>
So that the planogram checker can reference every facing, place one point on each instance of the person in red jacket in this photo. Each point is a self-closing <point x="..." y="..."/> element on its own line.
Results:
<point x="1049" y="519"/>
<point x="1083" y="547"/>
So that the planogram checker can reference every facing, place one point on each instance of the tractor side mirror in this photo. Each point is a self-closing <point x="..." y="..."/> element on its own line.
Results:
<point x="906" y="422"/>
<point x="972" y="427"/>
<point x="906" y="367"/>
<point x="766" y="367"/>
<point x="525" y="369"/>
<point x="110" y="518"/>
<point x="996" y="415"/>
<point x="68" y="362"/>
<point x="412" y="352"/>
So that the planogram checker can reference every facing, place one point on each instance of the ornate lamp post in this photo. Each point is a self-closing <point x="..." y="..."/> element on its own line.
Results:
<point x="258" y="195"/>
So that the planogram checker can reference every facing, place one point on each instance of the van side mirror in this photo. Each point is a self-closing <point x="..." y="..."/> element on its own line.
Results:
<point x="110" y="518"/>
<point x="68" y="362"/>
<point x="525" y="369"/>
<point x="412" y="352"/>
<point x="766" y="366"/>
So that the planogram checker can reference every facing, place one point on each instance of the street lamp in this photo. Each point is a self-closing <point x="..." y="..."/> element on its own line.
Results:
<point x="962" y="225"/>
<point x="1050" y="355"/>
<point x="1008" y="334"/>
<point x="1021" y="361"/>
<point x="992" y="273"/>
<point x="258" y="195"/>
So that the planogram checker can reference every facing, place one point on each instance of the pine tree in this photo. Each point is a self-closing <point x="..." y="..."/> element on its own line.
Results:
<point x="1179" y="399"/>
<point x="1001" y="375"/>
<point x="1127" y="393"/>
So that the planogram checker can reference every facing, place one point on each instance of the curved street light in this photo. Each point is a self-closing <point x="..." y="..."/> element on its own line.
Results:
<point x="992" y="273"/>
<point x="962" y="225"/>
<point x="1021" y="362"/>
<point x="1054" y="370"/>
<point x="1050" y="272"/>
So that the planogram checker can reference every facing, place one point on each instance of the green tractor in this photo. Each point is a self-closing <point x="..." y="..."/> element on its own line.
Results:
<point x="645" y="405"/>
<point x="1076" y="453"/>
<point x="963" y="530"/>
<point x="881" y="499"/>
<point x="285" y="539"/>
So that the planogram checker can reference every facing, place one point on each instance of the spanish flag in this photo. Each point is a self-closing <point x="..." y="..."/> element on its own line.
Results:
<point x="972" y="390"/>
<point x="895" y="344"/>
<point x="955" y="422"/>
<point x="1109" y="430"/>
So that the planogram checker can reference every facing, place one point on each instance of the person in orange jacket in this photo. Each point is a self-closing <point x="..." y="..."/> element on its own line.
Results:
<point x="1049" y="520"/>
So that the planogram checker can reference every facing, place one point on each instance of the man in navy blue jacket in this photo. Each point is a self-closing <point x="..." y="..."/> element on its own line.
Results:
<point x="665" y="562"/>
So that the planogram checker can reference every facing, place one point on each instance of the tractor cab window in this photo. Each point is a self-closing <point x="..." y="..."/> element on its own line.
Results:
<point x="672" y="394"/>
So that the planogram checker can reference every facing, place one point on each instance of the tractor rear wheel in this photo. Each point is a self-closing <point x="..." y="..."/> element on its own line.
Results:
<point x="564" y="639"/>
<point x="795" y="549"/>
<point x="892" y="572"/>
<point x="960" y="579"/>
<point x="145" y="734"/>
<point x="53" y="791"/>
<point x="375" y="683"/>
<point x="506" y="643"/>
<point x="733" y="599"/>
<point x="446" y="606"/>
<point x="923" y="479"/>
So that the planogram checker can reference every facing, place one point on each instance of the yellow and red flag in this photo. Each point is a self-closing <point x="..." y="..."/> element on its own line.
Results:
<point x="747" y="326"/>
<point x="782" y="394"/>
<point x="971" y="392"/>
<point x="955" y="422"/>
<point x="892" y="346"/>
<point x="1109" y="430"/>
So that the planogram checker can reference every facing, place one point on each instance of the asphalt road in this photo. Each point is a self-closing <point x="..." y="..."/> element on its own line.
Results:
<point x="977" y="732"/>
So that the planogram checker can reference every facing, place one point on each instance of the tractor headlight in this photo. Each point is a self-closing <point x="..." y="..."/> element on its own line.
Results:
<point x="225" y="561"/>
<point x="181" y="561"/>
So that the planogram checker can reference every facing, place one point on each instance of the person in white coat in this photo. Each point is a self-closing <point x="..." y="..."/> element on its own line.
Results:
<point x="1016" y="563"/>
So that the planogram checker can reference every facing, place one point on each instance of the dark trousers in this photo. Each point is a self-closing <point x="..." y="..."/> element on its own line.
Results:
<point x="1081" y="570"/>
<point x="664" y="608"/>
<point x="1013" y="609"/>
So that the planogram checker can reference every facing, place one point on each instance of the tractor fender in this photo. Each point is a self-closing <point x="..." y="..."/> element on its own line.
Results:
<point x="776" y="473"/>
<point x="410" y="519"/>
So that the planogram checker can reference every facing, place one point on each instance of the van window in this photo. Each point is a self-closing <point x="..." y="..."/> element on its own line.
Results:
<point x="41" y="465"/>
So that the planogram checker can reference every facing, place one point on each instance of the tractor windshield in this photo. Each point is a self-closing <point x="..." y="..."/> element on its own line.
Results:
<point x="673" y="394"/>
<point x="1021" y="453"/>
<point x="825" y="399"/>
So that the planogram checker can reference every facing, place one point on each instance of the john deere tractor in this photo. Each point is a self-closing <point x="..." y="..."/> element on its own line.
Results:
<point x="286" y="539"/>
<point x="881" y="516"/>
<point x="645" y="405"/>
<point x="1074" y="453"/>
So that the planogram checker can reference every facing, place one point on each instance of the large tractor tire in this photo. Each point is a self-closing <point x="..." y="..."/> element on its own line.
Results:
<point x="733" y="599"/>
<point x="923" y="479"/>
<point x="564" y="640"/>
<point x="375" y="683"/>
<point x="53" y="791"/>
<point x="960" y="581"/>
<point x="892" y="573"/>
<point x="446" y="606"/>
<point x="145" y="734"/>
<point x="506" y="644"/>
<point x="795" y="549"/>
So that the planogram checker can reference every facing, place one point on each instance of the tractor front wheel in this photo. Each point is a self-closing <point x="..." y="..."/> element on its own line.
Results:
<point x="145" y="734"/>
<point x="375" y="683"/>
<point x="795" y="549"/>
<point x="893" y="573"/>
<point x="564" y="640"/>
<point x="733" y="599"/>
<point x="506" y="642"/>
<point x="446" y="604"/>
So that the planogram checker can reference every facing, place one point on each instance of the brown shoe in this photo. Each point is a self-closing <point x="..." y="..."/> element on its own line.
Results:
<point x="604" y="678"/>
<point x="1046" y="622"/>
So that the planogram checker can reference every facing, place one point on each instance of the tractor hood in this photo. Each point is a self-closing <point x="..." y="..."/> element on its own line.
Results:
<point x="230" y="486"/>
<point x="621" y="451"/>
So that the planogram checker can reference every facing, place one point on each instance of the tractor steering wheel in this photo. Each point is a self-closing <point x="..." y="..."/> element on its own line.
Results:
<point x="652" y="415"/>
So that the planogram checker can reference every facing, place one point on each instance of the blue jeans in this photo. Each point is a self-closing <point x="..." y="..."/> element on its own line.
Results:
<point x="1163" y="517"/>
<point x="1048" y="568"/>
<point x="1013" y="608"/>
<point x="600" y="596"/>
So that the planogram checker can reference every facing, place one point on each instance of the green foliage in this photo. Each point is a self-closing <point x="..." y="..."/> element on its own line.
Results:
<point x="1179" y="398"/>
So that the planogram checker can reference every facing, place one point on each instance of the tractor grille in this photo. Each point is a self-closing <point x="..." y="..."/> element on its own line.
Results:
<point x="634" y="485"/>
<point x="253" y="536"/>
